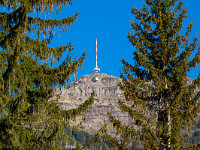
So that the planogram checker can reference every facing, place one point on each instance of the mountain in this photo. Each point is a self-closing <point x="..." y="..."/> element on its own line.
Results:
<point x="107" y="94"/>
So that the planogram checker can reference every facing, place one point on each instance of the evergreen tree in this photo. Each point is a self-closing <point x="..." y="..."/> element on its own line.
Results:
<point x="29" y="117"/>
<point x="164" y="106"/>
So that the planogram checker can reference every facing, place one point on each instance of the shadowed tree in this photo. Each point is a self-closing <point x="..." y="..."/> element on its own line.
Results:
<point x="28" y="119"/>
<point x="164" y="105"/>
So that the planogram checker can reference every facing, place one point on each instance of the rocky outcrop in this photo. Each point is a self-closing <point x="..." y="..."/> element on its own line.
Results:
<point x="107" y="94"/>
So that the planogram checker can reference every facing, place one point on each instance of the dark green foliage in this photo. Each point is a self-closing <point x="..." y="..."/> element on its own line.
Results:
<point x="81" y="136"/>
<point x="196" y="134"/>
<point x="76" y="136"/>
<point x="164" y="105"/>
<point x="78" y="147"/>
<point x="30" y="118"/>
<point x="101" y="140"/>
<point x="85" y="140"/>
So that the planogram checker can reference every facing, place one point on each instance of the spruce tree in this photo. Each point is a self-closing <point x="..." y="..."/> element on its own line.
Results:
<point x="29" y="117"/>
<point x="164" y="105"/>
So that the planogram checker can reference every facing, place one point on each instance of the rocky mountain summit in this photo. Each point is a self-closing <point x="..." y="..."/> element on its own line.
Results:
<point x="107" y="94"/>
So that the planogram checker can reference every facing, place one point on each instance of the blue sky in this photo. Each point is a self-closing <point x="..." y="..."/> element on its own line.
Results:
<point x="109" y="22"/>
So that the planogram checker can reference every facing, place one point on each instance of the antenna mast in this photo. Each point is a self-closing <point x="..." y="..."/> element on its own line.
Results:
<point x="96" y="69"/>
<point x="96" y="54"/>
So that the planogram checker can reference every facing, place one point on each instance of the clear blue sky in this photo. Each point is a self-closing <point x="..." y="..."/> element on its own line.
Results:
<point x="109" y="22"/>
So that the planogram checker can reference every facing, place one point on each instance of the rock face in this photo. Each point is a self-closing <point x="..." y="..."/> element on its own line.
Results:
<point x="107" y="94"/>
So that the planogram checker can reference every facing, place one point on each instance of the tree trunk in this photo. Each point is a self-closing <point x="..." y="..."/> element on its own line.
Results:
<point x="169" y="129"/>
<point x="164" y="120"/>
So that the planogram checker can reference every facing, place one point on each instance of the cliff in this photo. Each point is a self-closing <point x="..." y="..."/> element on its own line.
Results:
<point x="107" y="94"/>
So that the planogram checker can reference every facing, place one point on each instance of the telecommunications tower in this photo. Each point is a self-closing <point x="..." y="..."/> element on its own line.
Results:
<point x="96" y="69"/>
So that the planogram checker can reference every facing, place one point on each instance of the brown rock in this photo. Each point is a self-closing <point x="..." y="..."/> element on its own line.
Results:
<point x="106" y="99"/>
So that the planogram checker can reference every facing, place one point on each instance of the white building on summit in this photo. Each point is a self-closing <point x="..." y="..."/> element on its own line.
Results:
<point x="96" y="69"/>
